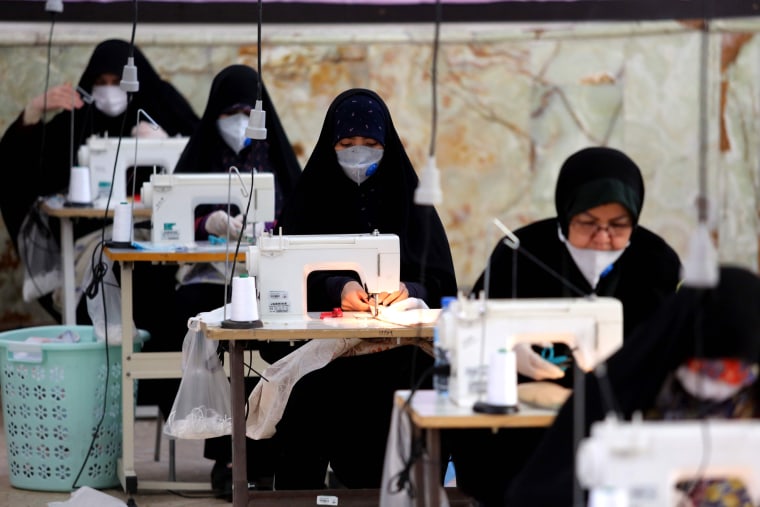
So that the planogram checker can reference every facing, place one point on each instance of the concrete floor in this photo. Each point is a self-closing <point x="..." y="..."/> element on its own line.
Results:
<point x="191" y="466"/>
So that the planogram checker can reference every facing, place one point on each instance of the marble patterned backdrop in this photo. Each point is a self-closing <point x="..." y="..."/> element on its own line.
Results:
<point x="514" y="100"/>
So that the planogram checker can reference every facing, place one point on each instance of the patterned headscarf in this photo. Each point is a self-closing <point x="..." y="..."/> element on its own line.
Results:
<point x="359" y="115"/>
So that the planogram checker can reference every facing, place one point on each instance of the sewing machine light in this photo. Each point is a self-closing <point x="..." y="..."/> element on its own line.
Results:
<point x="129" y="82"/>
<point x="54" y="6"/>
<point x="428" y="192"/>
<point x="256" y="128"/>
<point x="700" y="267"/>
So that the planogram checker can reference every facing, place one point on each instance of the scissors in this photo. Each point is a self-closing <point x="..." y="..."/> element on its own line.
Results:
<point x="562" y="362"/>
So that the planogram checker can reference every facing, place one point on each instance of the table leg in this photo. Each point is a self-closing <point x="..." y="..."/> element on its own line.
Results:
<point x="432" y="465"/>
<point x="237" y="391"/>
<point x="127" y="383"/>
<point x="69" y="276"/>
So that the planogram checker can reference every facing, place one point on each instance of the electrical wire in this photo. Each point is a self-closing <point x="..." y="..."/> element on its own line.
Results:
<point x="259" y="86"/>
<point x="99" y="268"/>
<point x="402" y="480"/>
<point x="434" y="77"/>
<point x="36" y="215"/>
<point x="134" y="29"/>
<point x="44" y="95"/>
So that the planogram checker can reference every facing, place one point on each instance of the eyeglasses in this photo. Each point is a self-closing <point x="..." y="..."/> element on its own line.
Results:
<point x="589" y="228"/>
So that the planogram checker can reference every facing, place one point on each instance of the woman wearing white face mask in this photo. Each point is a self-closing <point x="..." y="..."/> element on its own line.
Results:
<point x="217" y="144"/>
<point x="40" y="142"/>
<point x="594" y="245"/>
<point x="358" y="179"/>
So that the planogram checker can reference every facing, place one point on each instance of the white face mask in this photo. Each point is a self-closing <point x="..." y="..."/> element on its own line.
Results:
<point x="110" y="99"/>
<point x="232" y="129"/>
<point x="705" y="388"/>
<point x="593" y="264"/>
<point x="359" y="162"/>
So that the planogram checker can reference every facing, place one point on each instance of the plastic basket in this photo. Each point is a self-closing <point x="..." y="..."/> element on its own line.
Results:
<point x="54" y="396"/>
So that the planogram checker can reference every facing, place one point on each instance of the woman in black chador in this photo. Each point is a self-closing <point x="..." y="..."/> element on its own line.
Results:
<point x="358" y="179"/>
<point x="696" y="358"/>
<point x="594" y="245"/>
<point x="219" y="143"/>
<point x="39" y="149"/>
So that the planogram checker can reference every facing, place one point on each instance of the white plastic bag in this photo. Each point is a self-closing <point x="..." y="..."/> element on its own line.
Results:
<point x="104" y="305"/>
<point x="40" y="254"/>
<point x="203" y="406"/>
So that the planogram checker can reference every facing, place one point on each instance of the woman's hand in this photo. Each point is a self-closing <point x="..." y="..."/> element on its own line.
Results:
<point x="353" y="298"/>
<point x="388" y="298"/>
<point x="58" y="98"/>
<point x="145" y="129"/>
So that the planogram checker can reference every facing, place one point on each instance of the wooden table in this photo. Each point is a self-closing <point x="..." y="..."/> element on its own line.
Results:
<point x="151" y="365"/>
<point x="310" y="327"/>
<point x="54" y="207"/>
<point x="429" y="414"/>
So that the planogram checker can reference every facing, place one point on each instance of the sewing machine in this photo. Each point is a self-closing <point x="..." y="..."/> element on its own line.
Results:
<point x="99" y="154"/>
<point x="638" y="463"/>
<point x="174" y="197"/>
<point x="593" y="328"/>
<point x="282" y="264"/>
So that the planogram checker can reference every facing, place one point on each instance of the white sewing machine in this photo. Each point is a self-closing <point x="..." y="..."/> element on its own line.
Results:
<point x="638" y="463"/>
<point x="282" y="264"/>
<point x="480" y="327"/>
<point x="174" y="197"/>
<point x="99" y="154"/>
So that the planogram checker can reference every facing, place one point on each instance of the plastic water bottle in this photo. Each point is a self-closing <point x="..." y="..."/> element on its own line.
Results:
<point x="441" y="365"/>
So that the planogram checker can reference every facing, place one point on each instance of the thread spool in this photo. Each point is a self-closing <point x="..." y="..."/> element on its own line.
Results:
<point x="244" y="308"/>
<point x="122" y="226"/>
<point x="80" y="190"/>
<point x="501" y="394"/>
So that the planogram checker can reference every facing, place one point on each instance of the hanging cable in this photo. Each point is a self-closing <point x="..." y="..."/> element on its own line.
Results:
<point x="434" y="78"/>
<point x="256" y="128"/>
<point x="428" y="192"/>
<point x="259" y="87"/>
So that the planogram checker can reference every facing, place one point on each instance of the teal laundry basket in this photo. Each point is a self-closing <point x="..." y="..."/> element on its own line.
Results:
<point x="61" y="408"/>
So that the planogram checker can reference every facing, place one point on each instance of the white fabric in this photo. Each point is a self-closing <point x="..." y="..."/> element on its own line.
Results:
<point x="89" y="497"/>
<point x="268" y="399"/>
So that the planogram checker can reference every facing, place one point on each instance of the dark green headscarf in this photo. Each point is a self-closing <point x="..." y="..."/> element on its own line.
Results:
<point x="595" y="176"/>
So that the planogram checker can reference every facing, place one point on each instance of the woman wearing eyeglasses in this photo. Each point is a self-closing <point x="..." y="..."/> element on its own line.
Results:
<point x="594" y="245"/>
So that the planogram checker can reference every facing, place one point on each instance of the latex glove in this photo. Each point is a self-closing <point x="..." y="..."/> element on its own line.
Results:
<point x="221" y="224"/>
<point x="56" y="99"/>
<point x="531" y="364"/>
<point x="147" y="130"/>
